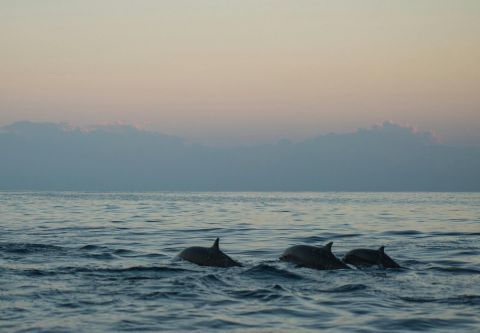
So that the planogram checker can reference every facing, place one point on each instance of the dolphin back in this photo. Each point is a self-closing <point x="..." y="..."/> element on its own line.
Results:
<point x="386" y="261"/>
<point x="312" y="257"/>
<point x="208" y="256"/>
<point x="363" y="258"/>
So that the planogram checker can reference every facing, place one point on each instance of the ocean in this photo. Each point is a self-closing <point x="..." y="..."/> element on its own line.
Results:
<point x="106" y="262"/>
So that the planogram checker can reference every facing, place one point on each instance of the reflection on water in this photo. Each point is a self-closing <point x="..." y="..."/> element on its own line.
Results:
<point x="88" y="262"/>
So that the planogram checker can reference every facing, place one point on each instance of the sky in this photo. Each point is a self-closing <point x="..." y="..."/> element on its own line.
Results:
<point x="235" y="72"/>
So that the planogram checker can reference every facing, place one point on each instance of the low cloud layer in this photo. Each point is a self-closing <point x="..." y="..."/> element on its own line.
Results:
<point x="388" y="157"/>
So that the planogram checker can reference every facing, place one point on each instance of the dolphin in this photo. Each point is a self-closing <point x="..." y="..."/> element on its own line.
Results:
<point x="313" y="257"/>
<point x="367" y="258"/>
<point x="208" y="256"/>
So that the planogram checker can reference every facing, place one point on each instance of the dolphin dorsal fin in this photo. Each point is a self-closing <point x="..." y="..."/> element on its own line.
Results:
<point x="215" y="245"/>
<point x="381" y="249"/>
<point x="329" y="246"/>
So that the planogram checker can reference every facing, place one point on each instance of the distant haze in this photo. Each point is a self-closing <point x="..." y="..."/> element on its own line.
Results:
<point x="226" y="73"/>
<point x="388" y="157"/>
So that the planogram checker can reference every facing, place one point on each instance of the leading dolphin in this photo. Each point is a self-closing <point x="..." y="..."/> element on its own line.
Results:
<point x="208" y="256"/>
<point x="313" y="257"/>
<point x="361" y="258"/>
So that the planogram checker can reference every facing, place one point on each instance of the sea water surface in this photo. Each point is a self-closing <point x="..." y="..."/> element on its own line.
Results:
<point x="105" y="262"/>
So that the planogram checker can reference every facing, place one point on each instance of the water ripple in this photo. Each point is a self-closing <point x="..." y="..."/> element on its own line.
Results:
<point x="105" y="262"/>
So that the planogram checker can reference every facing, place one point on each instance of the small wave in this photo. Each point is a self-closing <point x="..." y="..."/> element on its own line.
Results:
<point x="97" y="270"/>
<point x="346" y="288"/>
<point x="418" y="324"/>
<point x="89" y="251"/>
<point x="468" y="253"/>
<point x="152" y="255"/>
<point x="455" y="233"/>
<point x="448" y="262"/>
<point x="90" y="247"/>
<point x="326" y="237"/>
<point x="402" y="232"/>
<point x="222" y="324"/>
<point x="312" y="239"/>
<point x="262" y="294"/>
<point x="28" y="248"/>
<point x="201" y="230"/>
<point x="159" y="295"/>
<point x="455" y="270"/>
<point x="103" y="252"/>
<point x="411" y="262"/>
<point x="134" y="269"/>
<point x="264" y="271"/>
<point x="335" y="236"/>
<point x="37" y="272"/>
<point x="98" y="252"/>
<point x="101" y="256"/>
<point x="122" y="251"/>
<point x="282" y="312"/>
<point x="462" y="300"/>
<point x="211" y="280"/>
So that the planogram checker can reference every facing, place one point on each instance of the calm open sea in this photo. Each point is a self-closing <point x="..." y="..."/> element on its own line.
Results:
<point x="105" y="262"/>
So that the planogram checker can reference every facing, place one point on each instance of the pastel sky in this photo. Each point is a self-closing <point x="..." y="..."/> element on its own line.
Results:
<point x="229" y="72"/>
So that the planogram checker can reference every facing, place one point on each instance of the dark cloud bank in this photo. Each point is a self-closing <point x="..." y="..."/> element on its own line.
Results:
<point x="47" y="156"/>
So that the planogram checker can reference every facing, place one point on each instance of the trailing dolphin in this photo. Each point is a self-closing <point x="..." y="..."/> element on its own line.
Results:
<point x="208" y="256"/>
<point x="367" y="258"/>
<point x="313" y="257"/>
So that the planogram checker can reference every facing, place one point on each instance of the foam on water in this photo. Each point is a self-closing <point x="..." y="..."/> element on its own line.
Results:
<point x="83" y="262"/>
